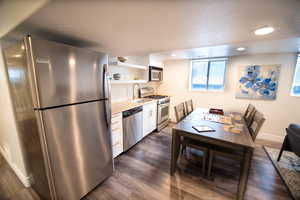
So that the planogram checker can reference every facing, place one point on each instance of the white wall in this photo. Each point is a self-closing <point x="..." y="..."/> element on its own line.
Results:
<point x="10" y="144"/>
<point x="13" y="12"/>
<point x="279" y="113"/>
<point x="123" y="92"/>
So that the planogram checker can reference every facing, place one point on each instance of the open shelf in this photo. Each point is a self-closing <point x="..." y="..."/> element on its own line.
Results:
<point x="127" y="81"/>
<point x="129" y="65"/>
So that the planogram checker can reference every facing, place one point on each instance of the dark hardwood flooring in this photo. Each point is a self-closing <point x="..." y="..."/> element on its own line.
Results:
<point x="142" y="173"/>
<point x="11" y="187"/>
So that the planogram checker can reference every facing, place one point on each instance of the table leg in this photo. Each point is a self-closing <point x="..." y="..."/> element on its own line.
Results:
<point x="175" y="150"/>
<point x="244" y="174"/>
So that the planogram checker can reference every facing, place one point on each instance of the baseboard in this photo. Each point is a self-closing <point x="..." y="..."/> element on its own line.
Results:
<point x="271" y="137"/>
<point x="26" y="180"/>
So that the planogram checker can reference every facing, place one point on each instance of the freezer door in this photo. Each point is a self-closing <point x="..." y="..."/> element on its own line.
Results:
<point x="62" y="74"/>
<point x="79" y="148"/>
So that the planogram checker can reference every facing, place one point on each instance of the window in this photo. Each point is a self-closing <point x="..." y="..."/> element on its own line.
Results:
<point x="208" y="74"/>
<point x="296" y="83"/>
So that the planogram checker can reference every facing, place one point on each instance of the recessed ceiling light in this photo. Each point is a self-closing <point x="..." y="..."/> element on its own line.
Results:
<point x="241" y="49"/>
<point x="173" y="55"/>
<point x="22" y="47"/>
<point x="264" y="30"/>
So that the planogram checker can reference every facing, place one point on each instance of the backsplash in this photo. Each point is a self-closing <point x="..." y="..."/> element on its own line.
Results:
<point x="123" y="92"/>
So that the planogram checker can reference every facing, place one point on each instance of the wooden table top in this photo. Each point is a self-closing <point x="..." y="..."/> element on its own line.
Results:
<point x="243" y="138"/>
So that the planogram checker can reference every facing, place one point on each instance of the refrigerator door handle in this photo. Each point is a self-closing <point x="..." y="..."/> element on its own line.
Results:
<point x="106" y="90"/>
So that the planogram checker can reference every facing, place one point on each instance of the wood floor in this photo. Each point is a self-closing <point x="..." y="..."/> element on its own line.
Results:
<point x="10" y="186"/>
<point x="142" y="173"/>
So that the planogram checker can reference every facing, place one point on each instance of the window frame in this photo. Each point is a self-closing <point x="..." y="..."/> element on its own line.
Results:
<point x="294" y="76"/>
<point x="207" y="76"/>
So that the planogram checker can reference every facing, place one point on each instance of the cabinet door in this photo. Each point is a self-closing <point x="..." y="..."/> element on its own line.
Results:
<point x="117" y="134"/>
<point x="149" y="118"/>
<point x="153" y="117"/>
<point x="145" y="119"/>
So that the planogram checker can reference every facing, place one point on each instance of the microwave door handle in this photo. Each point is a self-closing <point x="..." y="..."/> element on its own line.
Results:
<point x="107" y="97"/>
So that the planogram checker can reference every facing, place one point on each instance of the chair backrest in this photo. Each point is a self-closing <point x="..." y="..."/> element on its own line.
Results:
<point x="256" y="124"/>
<point x="249" y="114"/>
<point x="179" y="112"/>
<point x="293" y="132"/>
<point x="189" y="106"/>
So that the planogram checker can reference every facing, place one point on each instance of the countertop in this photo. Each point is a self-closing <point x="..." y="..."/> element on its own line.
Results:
<point x="117" y="107"/>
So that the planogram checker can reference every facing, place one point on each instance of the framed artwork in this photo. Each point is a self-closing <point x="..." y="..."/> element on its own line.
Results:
<point x="258" y="82"/>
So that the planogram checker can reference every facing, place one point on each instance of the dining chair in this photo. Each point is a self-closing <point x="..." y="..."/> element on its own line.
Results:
<point x="202" y="148"/>
<point x="180" y="113"/>
<point x="256" y="123"/>
<point x="254" y="128"/>
<point x="249" y="113"/>
<point x="189" y="106"/>
<point x="291" y="141"/>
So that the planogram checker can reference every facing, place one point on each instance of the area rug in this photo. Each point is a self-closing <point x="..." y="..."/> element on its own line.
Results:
<point x="288" y="168"/>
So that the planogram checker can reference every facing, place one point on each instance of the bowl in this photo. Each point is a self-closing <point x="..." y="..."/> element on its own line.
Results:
<point x="122" y="59"/>
<point x="117" y="76"/>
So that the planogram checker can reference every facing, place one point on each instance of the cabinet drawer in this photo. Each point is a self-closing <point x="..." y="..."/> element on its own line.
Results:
<point x="116" y="128"/>
<point x="116" y="118"/>
<point x="117" y="144"/>
<point x="116" y="123"/>
<point x="117" y="148"/>
<point x="116" y="136"/>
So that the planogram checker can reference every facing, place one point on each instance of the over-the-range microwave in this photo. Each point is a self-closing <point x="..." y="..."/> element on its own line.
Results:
<point x="155" y="73"/>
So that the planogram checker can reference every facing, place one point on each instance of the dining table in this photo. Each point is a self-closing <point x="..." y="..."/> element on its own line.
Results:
<point x="231" y="133"/>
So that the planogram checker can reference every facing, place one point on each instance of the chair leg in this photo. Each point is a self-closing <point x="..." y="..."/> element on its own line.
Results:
<point x="204" y="158"/>
<point x="210" y="163"/>
<point x="280" y="153"/>
<point x="183" y="148"/>
<point x="285" y="146"/>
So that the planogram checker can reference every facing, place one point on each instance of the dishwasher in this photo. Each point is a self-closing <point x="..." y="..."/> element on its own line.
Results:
<point x="132" y="127"/>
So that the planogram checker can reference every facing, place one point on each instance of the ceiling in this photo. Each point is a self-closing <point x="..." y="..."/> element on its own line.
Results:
<point x="268" y="46"/>
<point x="139" y="27"/>
<point x="11" y="19"/>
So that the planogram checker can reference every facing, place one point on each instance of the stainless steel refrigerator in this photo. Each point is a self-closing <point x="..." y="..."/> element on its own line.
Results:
<point x="61" y="99"/>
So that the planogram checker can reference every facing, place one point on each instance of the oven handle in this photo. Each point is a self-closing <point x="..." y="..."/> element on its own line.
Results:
<point x="164" y="105"/>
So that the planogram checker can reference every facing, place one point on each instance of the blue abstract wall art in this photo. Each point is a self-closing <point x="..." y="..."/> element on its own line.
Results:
<point x="258" y="82"/>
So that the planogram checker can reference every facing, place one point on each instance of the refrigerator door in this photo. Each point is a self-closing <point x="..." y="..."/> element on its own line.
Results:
<point x="79" y="148"/>
<point x="62" y="74"/>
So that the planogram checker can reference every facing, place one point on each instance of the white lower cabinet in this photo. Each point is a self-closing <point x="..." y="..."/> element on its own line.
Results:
<point x="117" y="134"/>
<point x="149" y="118"/>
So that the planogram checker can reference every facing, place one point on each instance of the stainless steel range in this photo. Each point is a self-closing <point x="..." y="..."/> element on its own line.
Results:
<point x="163" y="106"/>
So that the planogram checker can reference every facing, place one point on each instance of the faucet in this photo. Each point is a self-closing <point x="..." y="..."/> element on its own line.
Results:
<point x="135" y="93"/>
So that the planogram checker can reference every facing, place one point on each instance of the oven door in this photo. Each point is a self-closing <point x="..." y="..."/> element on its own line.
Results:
<point x="163" y="112"/>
